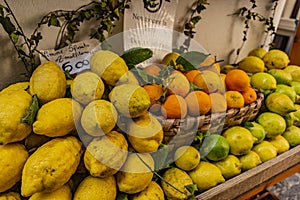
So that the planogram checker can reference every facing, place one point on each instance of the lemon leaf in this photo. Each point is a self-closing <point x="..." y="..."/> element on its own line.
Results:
<point x="32" y="111"/>
<point x="136" y="55"/>
<point x="160" y="156"/>
<point x="192" y="188"/>
<point x="190" y="60"/>
<point x="122" y="196"/>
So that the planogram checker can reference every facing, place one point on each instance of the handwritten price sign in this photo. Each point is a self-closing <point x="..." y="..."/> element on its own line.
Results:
<point x="73" y="58"/>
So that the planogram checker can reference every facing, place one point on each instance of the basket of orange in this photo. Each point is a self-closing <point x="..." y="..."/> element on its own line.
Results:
<point x="188" y="99"/>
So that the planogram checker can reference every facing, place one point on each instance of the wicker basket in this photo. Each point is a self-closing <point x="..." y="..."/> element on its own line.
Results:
<point x="178" y="132"/>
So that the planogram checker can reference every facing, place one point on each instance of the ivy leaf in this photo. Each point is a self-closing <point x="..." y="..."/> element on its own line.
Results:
<point x="32" y="112"/>
<point x="190" y="60"/>
<point x="7" y="25"/>
<point x="53" y="21"/>
<point x="14" y="37"/>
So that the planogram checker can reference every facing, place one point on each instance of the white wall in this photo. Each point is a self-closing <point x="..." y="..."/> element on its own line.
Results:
<point x="219" y="32"/>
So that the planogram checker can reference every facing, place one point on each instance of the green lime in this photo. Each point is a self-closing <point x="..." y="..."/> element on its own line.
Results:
<point x="214" y="147"/>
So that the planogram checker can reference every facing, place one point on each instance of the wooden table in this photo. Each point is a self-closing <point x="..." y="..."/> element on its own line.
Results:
<point x="254" y="181"/>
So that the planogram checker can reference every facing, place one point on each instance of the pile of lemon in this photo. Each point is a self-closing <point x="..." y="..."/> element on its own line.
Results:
<point x="96" y="136"/>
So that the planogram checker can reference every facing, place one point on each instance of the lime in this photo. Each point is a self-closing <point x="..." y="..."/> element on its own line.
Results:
<point x="214" y="147"/>
<point x="250" y="160"/>
<point x="281" y="144"/>
<point x="240" y="140"/>
<point x="230" y="166"/>
<point x="273" y="123"/>
<point x="281" y="76"/>
<point x="257" y="131"/>
<point x="265" y="150"/>
<point x="263" y="81"/>
<point x="258" y="52"/>
<point x="292" y="135"/>
<point x="276" y="59"/>
<point x="252" y="64"/>
<point x="294" y="70"/>
<point x="206" y="175"/>
<point x="187" y="157"/>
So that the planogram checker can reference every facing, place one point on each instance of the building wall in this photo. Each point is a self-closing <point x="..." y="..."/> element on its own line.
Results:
<point x="219" y="32"/>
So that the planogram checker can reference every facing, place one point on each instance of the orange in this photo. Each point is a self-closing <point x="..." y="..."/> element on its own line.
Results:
<point x="190" y="75"/>
<point x="174" y="107"/>
<point x="177" y="83"/>
<point x="198" y="103"/>
<point x="218" y="102"/>
<point x="249" y="95"/>
<point x="152" y="70"/>
<point x="234" y="99"/>
<point x="237" y="80"/>
<point x="155" y="92"/>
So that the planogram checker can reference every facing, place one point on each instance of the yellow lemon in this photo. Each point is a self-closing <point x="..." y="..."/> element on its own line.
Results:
<point x="57" y="118"/>
<point x="99" y="117"/>
<point x="48" y="82"/>
<point x="12" y="159"/>
<point x="49" y="173"/>
<point x="87" y="87"/>
<point x="152" y="192"/>
<point x="276" y="59"/>
<point x="187" y="157"/>
<point x="108" y="65"/>
<point x="252" y="64"/>
<point x="265" y="150"/>
<point x="170" y="57"/>
<point x="230" y="166"/>
<point x="206" y="175"/>
<point x="63" y="193"/>
<point x="280" y="143"/>
<point x="106" y="155"/>
<point x="16" y="87"/>
<point x="294" y="70"/>
<point x="250" y="160"/>
<point x="258" y="52"/>
<point x="10" y="196"/>
<point x="96" y="188"/>
<point x="178" y="179"/>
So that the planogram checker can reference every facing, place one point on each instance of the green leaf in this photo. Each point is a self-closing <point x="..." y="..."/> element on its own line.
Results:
<point x="160" y="156"/>
<point x="190" y="60"/>
<point x="32" y="112"/>
<point x="192" y="188"/>
<point x="7" y="25"/>
<point x="53" y="21"/>
<point x="122" y="196"/>
<point x="14" y="37"/>
<point x="248" y="125"/>
<point x="136" y="55"/>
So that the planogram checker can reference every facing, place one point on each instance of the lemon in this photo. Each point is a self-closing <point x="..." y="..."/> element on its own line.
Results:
<point x="206" y="175"/>
<point x="48" y="82"/>
<point x="130" y="100"/>
<point x="281" y="76"/>
<point x="10" y="196"/>
<point x="99" y="117"/>
<point x="63" y="193"/>
<point x="279" y="103"/>
<point x="215" y="147"/>
<point x="50" y="172"/>
<point x="170" y="57"/>
<point x="230" y="166"/>
<point x="57" y="117"/>
<point x="136" y="173"/>
<point x="257" y="131"/>
<point x="265" y="150"/>
<point x="12" y="159"/>
<point x="296" y="86"/>
<point x="287" y="90"/>
<point x="280" y="143"/>
<point x="240" y="140"/>
<point x="273" y="123"/>
<point x="96" y="189"/>
<point x="108" y="65"/>
<point x="145" y="133"/>
<point x="186" y="157"/>
<point x="263" y="81"/>
<point x="179" y="179"/>
<point x="294" y="70"/>
<point x="258" y="52"/>
<point x="87" y="87"/>
<point x="276" y="59"/>
<point x="16" y="87"/>
<point x="252" y="64"/>
<point x="152" y="192"/>
<point x="105" y="156"/>
<point x="250" y="160"/>
<point x="128" y="78"/>
<point x="226" y="68"/>
<point x="13" y="107"/>
<point x="178" y="84"/>
<point x="292" y="135"/>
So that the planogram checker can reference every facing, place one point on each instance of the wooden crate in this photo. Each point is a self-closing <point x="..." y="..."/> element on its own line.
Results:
<point x="253" y="181"/>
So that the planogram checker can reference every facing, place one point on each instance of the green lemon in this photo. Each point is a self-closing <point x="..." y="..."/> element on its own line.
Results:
<point x="265" y="150"/>
<point x="273" y="123"/>
<point x="258" y="52"/>
<point x="214" y="147"/>
<point x="281" y="76"/>
<point x="292" y="135"/>
<point x="206" y="175"/>
<point x="294" y="70"/>
<point x="279" y="103"/>
<point x="250" y="160"/>
<point x="240" y="140"/>
<point x="230" y="166"/>
<point x="276" y="59"/>
<point x="252" y="64"/>
<point x="263" y="81"/>
<point x="287" y="90"/>
<point x="296" y="86"/>
<point x="281" y="144"/>
<point x="257" y="131"/>
<point x="187" y="157"/>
